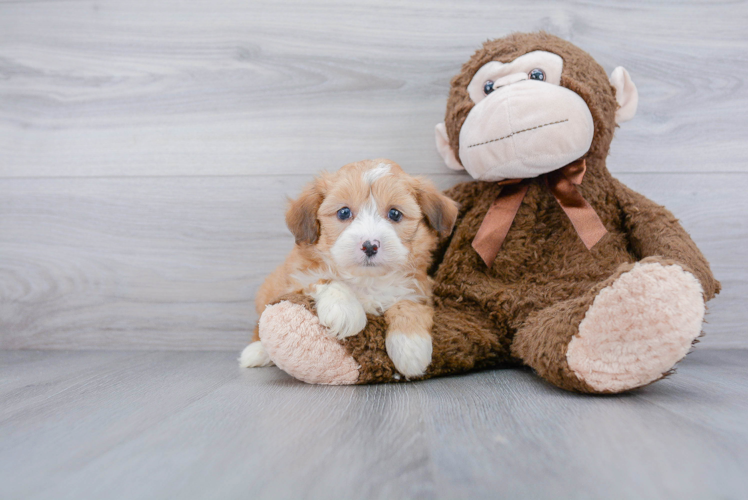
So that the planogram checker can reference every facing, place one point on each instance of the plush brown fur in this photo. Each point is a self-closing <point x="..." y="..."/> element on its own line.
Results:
<point x="528" y="305"/>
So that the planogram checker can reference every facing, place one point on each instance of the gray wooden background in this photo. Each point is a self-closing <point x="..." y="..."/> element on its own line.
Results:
<point x="146" y="147"/>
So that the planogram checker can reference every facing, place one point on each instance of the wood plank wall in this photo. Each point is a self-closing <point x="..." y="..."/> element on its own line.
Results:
<point x="146" y="147"/>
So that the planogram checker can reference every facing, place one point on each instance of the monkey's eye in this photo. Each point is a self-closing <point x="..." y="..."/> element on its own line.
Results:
<point x="344" y="213"/>
<point x="536" y="74"/>
<point x="395" y="215"/>
<point x="488" y="87"/>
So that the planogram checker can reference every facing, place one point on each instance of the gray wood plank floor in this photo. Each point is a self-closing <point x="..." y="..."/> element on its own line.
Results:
<point x="146" y="149"/>
<point x="137" y="424"/>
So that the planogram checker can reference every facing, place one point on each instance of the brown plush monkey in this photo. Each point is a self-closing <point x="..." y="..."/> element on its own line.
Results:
<point x="553" y="263"/>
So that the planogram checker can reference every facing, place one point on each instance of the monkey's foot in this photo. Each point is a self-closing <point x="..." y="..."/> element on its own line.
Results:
<point x="299" y="345"/>
<point x="637" y="328"/>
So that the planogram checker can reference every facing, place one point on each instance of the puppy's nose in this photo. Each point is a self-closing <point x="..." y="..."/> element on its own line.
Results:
<point x="370" y="248"/>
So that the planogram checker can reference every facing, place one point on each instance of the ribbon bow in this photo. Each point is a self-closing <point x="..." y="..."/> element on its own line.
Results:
<point x="561" y="183"/>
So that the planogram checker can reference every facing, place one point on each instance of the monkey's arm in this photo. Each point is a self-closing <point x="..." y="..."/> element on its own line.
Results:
<point x="464" y="194"/>
<point x="654" y="231"/>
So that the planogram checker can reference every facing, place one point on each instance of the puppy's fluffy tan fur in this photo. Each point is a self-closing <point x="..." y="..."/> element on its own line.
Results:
<point x="330" y="264"/>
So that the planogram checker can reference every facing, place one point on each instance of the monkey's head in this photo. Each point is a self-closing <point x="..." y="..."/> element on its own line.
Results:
<point x="528" y="104"/>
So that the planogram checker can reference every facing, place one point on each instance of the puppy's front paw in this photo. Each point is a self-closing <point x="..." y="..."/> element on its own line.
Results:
<point x="411" y="353"/>
<point x="339" y="310"/>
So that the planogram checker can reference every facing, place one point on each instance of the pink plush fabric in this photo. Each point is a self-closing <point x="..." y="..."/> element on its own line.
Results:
<point x="299" y="345"/>
<point x="637" y="328"/>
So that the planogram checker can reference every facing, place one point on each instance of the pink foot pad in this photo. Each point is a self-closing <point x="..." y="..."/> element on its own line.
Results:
<point x="300" y="346"/>
<point x="637" y="328"/>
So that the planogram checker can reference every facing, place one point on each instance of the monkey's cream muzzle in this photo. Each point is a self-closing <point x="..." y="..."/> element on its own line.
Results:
<point x="524" y="129"/>
<point x="522" y="126"/>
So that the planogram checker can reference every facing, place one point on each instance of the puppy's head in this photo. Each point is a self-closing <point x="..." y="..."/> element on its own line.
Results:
<point x="370" y="218"/>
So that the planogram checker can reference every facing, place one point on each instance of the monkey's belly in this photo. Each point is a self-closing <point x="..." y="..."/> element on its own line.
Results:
<point x="531" y="272"/>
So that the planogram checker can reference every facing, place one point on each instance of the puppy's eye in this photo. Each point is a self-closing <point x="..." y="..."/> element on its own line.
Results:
<point x="488" y="87"/>
<point x="395" y="215"/>
<point x="344" y="213"/>
<point x="536" y="74"/>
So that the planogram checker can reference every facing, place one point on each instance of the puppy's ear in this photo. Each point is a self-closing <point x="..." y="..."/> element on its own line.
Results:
<point x="440" y="211"/>
<point x="301" y="217"/>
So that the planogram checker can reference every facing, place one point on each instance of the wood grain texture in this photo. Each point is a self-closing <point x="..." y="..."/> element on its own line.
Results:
<point x="173" y="263"/>
<point x="236" y="87"/>
<point x="113" y="425"/>
<point x="145" y="152"/>
<point x="146" y="147"/>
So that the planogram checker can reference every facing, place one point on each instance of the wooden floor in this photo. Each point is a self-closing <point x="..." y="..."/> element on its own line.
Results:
<point x="190" y="425"/>
<point x="146" y="152"/>
<point x="147" y="147"/>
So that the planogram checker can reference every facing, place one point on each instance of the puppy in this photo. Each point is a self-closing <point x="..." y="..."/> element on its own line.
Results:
<point x="364" y="242"/>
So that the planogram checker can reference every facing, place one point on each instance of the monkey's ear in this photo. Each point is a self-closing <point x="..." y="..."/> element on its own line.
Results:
<point x="442" y="145"/>
<point x="301" y="217"/>
<point x="626" y="94"/>
<point x="440" y="210"/>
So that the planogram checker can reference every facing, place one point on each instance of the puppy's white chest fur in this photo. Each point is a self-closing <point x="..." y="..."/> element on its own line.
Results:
<point x="377" y="294"/>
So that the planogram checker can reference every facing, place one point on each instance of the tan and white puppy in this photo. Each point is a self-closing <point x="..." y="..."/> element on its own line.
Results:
<point x="364" y="242"/>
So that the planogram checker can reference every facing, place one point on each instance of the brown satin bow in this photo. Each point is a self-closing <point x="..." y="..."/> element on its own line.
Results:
<point x="561" y="183"/>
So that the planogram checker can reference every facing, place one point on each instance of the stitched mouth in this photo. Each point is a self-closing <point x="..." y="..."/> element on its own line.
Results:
<point x="518" y="132"/>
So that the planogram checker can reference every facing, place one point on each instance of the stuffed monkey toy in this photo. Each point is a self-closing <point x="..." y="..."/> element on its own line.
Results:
<point x="553" y="263"/>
